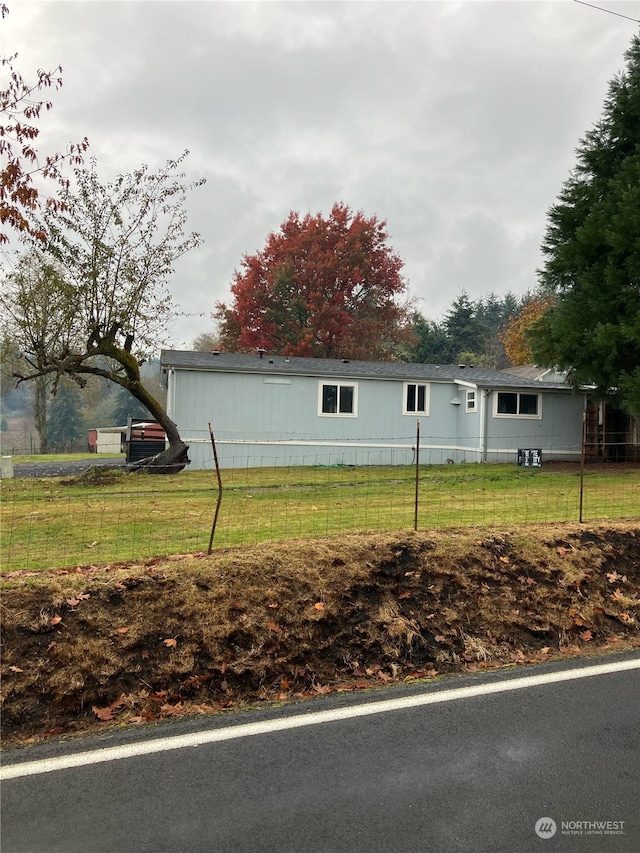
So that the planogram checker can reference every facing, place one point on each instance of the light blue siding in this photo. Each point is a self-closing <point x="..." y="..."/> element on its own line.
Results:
<point x="274" y="419"/>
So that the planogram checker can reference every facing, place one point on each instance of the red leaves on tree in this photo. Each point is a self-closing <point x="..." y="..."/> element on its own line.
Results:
<point x="20" y="111"/>
<point x="326" y="288"/>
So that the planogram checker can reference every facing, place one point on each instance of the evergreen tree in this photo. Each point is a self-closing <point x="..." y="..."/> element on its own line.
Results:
<point x="592" y="248"/>
<point x="125" y="406"/>
<point x="432" y="344"/>
<point x="65" y="423"/>
<point x="465" y="330"/>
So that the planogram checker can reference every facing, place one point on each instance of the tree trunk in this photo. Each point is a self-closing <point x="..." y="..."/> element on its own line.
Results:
<point x="176" y="457"/>
<point x="170" y="461"/>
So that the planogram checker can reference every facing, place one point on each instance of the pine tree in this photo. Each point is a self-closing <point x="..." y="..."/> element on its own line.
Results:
<point x="65" y="423"/>
<point x="592" y="248"/>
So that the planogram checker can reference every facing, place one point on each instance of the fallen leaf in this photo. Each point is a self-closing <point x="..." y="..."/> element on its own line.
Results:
<point x="319" y="605"/>
<point x="613" y="576"/>
<point x="104" y="714"/>
<point x="170" y="643"/>
<point x="504" y="559"/>
<point x="617" y="595"/>
<point x="93" y="544"/>
<point x="421" y="673"/>
<point x="123" y="630"/>
<point x="73" y="602"/>
<point x="273" y="626"/>
<point x="274" y="605"/>
<point x="570" y="650"/>
<point x="440" y="639"/>
<point x="16" y="669"/>
<point x="51" y="645"/>
<point x="159" y="696"/>
<point x="144" y="717"/>
<point x="544" y="651"/>
<point x="405" y="594"/>
<point x="586" y="636"/>
<point x="562" y="551"/>
<point x="172" y="710"/>
<point x="55" y="620"/>
<point x="107" y="713"/>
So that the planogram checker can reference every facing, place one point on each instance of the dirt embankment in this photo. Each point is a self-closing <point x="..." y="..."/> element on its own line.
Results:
<point x="129" y="644"/>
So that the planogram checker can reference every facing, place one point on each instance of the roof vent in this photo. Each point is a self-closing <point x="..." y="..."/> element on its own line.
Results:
<point x="461" y="366"/>
<point x="215" y="352"/>
<point x="345" y="361"/>
<point x="261" y="352"/>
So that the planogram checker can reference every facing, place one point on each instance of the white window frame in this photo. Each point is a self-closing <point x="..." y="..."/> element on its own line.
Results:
<point x="517" y="414"/>
<point x="427" y="398"/>
<point x="471" y="401"/>
<point x="353" y="385"/>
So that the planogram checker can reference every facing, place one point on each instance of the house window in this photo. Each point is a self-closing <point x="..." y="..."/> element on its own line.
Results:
<point x="471" y="401"/>
<point x="339" y="400"/>
<point x="518" y="405"/>
<point x="416" y="399"/>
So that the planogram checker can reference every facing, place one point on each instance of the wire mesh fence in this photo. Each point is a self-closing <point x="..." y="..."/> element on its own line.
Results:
<point x="109" y="516"/>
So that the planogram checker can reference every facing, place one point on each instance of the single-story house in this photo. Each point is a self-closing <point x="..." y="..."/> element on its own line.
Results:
<point x="611" y="434"/>
<point x="278" y="410"/>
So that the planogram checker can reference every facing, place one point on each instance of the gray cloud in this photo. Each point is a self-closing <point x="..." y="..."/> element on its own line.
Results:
<point x="454" y="121"/>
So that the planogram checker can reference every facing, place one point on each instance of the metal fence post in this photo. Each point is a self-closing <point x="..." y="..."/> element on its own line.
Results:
<point x="415" y="516"/>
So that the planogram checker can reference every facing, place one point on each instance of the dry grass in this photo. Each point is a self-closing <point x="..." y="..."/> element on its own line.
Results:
<point x="146" y="640"/>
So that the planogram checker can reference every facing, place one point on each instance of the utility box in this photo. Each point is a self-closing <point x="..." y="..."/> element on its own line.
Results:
<point x="7" y="467"/>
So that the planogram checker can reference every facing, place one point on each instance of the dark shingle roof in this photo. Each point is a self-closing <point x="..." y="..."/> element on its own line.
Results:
<point x="343" y="368"/>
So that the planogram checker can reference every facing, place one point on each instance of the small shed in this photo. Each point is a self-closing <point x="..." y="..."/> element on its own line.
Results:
<point x="107" y="440"/>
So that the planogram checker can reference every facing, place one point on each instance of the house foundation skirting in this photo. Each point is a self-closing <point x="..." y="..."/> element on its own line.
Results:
<point x="250" y="453"/>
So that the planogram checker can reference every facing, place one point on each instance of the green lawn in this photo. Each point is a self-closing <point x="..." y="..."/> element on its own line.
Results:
<point x="47" y="523"/>
<point x="20" y="458"/>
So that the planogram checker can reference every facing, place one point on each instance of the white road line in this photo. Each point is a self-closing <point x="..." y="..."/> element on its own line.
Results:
<point x="114" y="753"/>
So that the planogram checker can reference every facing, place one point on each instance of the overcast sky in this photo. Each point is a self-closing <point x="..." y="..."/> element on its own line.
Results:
<point x="456" y="122"/>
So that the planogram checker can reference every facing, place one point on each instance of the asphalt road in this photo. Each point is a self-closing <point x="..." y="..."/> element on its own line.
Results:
<point x="64" y="469"/>
<point x="459" y="770"/>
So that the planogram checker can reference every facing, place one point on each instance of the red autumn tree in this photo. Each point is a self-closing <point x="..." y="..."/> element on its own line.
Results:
<point x="20" y="109"/>
<point x="327" y="288"/>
